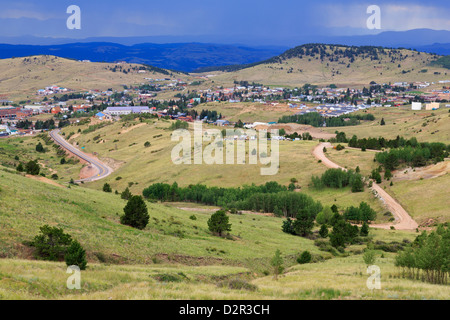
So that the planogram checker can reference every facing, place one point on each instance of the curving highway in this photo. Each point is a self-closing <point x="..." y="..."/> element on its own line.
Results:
<point x="102" y="170"/>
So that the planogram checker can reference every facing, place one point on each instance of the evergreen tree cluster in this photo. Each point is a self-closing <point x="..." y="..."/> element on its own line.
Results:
<point x="53" y="244"/>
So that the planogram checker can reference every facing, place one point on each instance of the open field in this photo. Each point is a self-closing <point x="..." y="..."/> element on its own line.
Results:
<point x="340" y="278"/>
<point x="424" y="199"/>
<point x="352" y="158"/>
<point x="426" y="126"/>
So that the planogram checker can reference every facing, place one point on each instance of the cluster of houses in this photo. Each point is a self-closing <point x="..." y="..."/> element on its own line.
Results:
<point x="52" y="90"/>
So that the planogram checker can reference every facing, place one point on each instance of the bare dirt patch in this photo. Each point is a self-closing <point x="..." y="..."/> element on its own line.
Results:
<point x="132" y="128"/>
<point x="87" y="172"/>
<point x="112" y="163"/>
<point x="429" y="172"/>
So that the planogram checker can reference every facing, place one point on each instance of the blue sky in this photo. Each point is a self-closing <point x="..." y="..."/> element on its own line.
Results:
<point x="244" y="20"/>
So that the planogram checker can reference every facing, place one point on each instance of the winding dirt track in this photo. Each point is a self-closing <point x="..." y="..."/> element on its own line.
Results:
<point x="403" y="220"/>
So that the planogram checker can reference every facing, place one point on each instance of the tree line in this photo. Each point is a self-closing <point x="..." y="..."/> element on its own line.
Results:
<point x="418" y="156"/>
<point x="317" y="120"/>
<point x="269" y="198"/>
<point x="338" y="178"/>
<point x="427" y="258"/>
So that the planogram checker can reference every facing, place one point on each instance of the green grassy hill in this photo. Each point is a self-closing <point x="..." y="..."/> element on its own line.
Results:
<point x="125" y="263"/>
<point x="93" y="216"/>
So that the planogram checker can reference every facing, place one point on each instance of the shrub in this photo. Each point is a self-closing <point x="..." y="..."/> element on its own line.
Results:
<point x="33" y="168"/>
<point x="369" y="257"/>
<point x="126" y="194"/>
<point x="136" y="213"/>
<point x="107" y="188"/>
<point x="305" y="257"/>
<point x="20" y="167"/>
<point x="237" y="284"/>
<point x="167" y="277"/>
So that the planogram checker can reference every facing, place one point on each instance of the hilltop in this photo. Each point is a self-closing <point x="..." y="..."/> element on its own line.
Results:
<point x="337" y="64"/>
<point x="22" y="77"/>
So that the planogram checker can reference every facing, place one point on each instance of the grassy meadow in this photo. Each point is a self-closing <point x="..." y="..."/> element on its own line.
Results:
<point x="175" y="257"/>
<point x="426" y="126"/>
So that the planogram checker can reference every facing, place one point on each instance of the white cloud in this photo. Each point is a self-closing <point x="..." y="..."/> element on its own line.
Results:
<point x="393" y="17"/>
<point x="20" y="13"/>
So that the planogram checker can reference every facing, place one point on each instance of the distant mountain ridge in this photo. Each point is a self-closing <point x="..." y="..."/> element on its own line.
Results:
<point x="196" y="56"/>
<point x="177" y="56"/>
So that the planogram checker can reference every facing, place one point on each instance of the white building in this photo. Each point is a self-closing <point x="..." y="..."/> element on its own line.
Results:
<point x="416" y="106"/>
<point x="119" y="111"/>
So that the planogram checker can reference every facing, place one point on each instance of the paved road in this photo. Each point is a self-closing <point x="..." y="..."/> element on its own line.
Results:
<point x="102" y="170"/>
<point x="403" y="220"/>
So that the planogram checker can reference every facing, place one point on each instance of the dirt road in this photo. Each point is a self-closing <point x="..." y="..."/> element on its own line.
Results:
<point x="403" y="220"/>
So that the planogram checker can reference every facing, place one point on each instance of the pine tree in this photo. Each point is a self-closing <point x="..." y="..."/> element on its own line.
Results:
<point x="76" y="255"/>
<point x="136" y="213"/>
<point x="364" y="232"/>
<point x="126" y="194"/>
<point x="277" y="264"/>
<point x="40" y="148"/>
<point x="218" y="223"/>
<point x="323" y="232"/>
